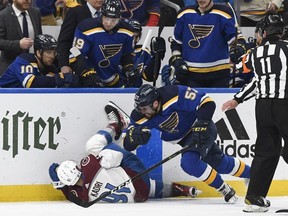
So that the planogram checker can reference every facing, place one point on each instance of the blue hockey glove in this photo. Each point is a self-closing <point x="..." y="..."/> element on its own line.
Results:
<point x="181" y="68"/>
<point x="237" y="52"/>
<point x="168" y="76"/>
<point x="136" y="136"/>
<point x="66" y="80"/>
<point x="158" y="45"/>
<point x="54" y="177"/>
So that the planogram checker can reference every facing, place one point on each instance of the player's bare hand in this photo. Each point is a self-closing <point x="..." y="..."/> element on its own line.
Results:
<point x="26" y="43"/>
<point x="231" y="104"/>
<point x="66" y="69"/>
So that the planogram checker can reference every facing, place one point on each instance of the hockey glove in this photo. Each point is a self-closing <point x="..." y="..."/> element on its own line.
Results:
<point x="136" y="136"/>
<point x="168" y="76"/>
<point x="66" y="80"/>
<point x="237" y="52"/>
<point x="54" y="177"/>
<point x="181" y="68"/>
<point x="89" y="78"/>
<point x="132" y="76"/>
<point x="200" y="133"/>
<point x="158" y="45"/>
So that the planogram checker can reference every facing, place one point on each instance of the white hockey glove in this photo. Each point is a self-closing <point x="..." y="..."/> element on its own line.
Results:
<point x="110" y="158"/>
<point x="168" y="75"/>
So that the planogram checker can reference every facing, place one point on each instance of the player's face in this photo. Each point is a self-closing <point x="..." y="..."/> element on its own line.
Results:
<point x="109" y="23"/>
<point x="203" y="4"/>
<point x="136" y="38"/>
<point x="149" y="111"/>
<point x="22" y="4"/>
<point x="48" y="57"/>
<point x="97" y="4"/>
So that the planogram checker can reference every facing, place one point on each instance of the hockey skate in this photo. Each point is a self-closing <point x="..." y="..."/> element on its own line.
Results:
<point x="228" y="192"/>
<point x="117" y="118"/>
<point x="256" y="204"/>
<point x="183" y="190"/>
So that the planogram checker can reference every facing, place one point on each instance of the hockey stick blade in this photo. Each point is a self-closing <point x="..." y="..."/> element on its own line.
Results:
<point x="282" y="211"/>
<point x="87" y="204"/>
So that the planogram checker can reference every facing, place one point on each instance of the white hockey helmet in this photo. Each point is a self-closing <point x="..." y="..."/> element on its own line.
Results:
<point x="68" y="172"/>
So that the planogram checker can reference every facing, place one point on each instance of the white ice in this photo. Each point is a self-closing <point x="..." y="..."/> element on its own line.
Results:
<point x="153" y="207"/>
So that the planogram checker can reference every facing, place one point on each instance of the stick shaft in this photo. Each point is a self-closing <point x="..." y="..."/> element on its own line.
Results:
<point x="87" y="204"/>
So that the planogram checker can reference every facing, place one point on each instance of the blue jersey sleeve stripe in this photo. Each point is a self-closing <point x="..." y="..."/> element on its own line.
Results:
<point x="170" y="102"/>
<point x="93" y="31"/>
<point x="221" y="13"/>
<point x="185" y="12"/>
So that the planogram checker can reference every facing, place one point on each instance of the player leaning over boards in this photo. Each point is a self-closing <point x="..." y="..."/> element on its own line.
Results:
<point x="106" y="166"/>
<point x="37" y="70"/>
<point x="184" y="116"/>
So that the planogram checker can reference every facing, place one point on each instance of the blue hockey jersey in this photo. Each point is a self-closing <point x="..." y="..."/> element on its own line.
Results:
<point x="179" y="111"/>
<point x="204" y="39"/>
<point x="23" y="70"/>
<point x="104" y="49"/>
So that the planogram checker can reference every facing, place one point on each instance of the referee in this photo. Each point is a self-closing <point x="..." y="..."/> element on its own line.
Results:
<point x="269" y="64"/>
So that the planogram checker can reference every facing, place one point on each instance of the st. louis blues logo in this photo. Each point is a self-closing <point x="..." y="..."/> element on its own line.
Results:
<point x="198" y="32"/>
<point x="129" y="6"/>
<point x="108" y="51"/>
<point x="171" y="123"/>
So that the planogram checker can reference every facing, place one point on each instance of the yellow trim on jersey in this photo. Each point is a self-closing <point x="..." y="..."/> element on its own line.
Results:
<point x="240" y="170"/>
<point x="29" y="82"/>
<point x="210" y="69"/>
<point x="35" y="65"/>
<point x="206" y="100"/>
<point x="170" y="102"/>
<point x="126" y="31"/>
<point x="185" y="12"/>
<point x="72" y="60"/>
<point x="211" y="177"/>
<point x="221" y="13"/>
<point x="94" y="31"/>
<point x="141" y="121"/>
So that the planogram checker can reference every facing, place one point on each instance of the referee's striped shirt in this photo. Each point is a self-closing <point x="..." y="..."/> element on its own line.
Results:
<point x="269" y="64"/>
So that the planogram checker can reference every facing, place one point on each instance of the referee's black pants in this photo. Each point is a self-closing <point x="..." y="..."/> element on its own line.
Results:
<point x="272" y="125"/>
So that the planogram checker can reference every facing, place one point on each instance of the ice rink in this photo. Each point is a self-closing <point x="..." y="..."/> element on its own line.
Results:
<point x="165" y="207"/>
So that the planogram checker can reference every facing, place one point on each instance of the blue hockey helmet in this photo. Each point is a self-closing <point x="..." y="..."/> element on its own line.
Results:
<point x="112" y="9"/>
<point x="146" y="95"/>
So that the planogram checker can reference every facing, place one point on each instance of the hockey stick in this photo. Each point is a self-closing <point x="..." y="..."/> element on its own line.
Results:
<point x="235" y="41"/>
<point x="157" y="56"/>
<point x="87" y="204"/>
<point x="282" y="211"/>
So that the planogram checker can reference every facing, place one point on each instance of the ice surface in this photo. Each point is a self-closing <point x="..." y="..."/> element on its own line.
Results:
<point x="153" y="207"/>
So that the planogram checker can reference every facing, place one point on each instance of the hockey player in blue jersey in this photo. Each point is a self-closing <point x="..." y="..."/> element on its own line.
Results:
<point x="184" y="116"/>
<point x="37" y="70"/>
<point x="106" y="166"/>
<point x="105" y="43"/>
<point x="203" y="35"/>
<point x="144" y="60"/>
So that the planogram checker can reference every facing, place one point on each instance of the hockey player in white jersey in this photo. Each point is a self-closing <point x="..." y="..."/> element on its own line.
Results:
<point x="106" y="166"/>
